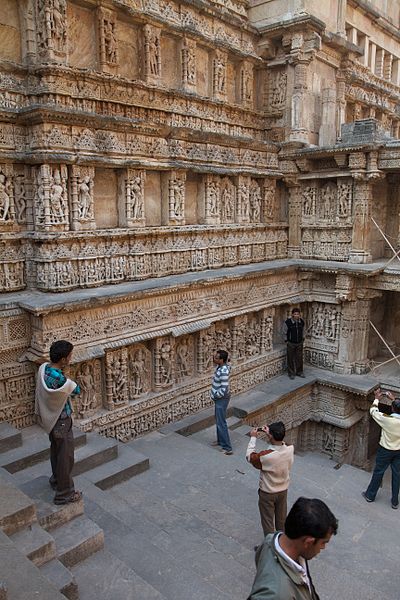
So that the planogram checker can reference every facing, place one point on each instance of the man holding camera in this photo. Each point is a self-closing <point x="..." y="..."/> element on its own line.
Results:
<point x="274" y="465"/>
<point x="388" y="450"/>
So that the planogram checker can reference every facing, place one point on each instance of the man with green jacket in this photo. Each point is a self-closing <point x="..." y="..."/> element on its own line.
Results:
<point x="282" y="567"/>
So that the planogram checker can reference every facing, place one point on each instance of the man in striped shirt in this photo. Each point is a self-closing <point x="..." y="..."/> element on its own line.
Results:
<point x="220" y="393"/>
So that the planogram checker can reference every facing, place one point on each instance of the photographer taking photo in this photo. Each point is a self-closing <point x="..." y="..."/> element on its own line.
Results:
<point x="274" y="465"/>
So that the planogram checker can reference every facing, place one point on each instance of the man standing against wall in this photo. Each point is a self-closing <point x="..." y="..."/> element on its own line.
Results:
<point x="388" y="450"/>
<point x="220" y="394"/>
<point x="53" y="408"/>
<point x="274" y="464"/>
<point x="293" y="329"/>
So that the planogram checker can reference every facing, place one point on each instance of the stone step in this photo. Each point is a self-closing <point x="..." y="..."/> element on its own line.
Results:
<point x="97" y="451"/>
<point x="128" y="464"/>
<point x="23" y="580"/>
<point x="103" y="575"/>
<point x="50" y="515"/>
<point x="77" y="540"/>
<point x="10" y="437"/>
<point x="61" y="578"/>
<point x="17" y="511"/>
<point x="35" y="449"/>
<point x="35" y="543"/>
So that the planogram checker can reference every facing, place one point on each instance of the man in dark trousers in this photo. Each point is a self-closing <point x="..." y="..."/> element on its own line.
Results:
<point x="294" y="331"/>
<point x="54" y="410"/>
<point x="388" y="453"/>
<point x="282" y="567"/>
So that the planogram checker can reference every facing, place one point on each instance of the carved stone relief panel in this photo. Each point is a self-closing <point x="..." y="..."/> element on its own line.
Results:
<point x="89" y="377"/>
<point x="116" y="378"/>
<point x="255" y="198"/>
<point x="51" y="29"/>
<point x="219" y="75"/>
<point x="212" y="199"/>
<point x="82" y="198"/>
<point x="277" y="85"/>
<point x="131" y="198"/>
<point x="269" y="201"/>
<point x="21" y="195"/>
<point x="152" y="58"/>
<point x="51" y="198"/>
<point x="246" y="84"/>
<point x="325" y="325"/>
<point x="223" y="338"/>
<point x="108" y="40"/>
<point x="173" y="197"/>
<point x="252" y="336"/>
<point x="243" y="199"/>
<point x="163" y="363"/>
<point x="205" y="349"/>
<point x="7" y="201"/>
<point x="188" y="64"/>
<point x="227" y="200"/>
<point x="139" y="371"/>
<point x="184" y="357"/>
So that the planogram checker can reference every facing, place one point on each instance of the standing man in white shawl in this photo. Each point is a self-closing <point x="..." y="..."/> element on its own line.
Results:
<point x="54" y="410"/>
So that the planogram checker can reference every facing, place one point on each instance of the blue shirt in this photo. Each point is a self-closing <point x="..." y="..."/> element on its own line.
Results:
<point x="54" y="379"/>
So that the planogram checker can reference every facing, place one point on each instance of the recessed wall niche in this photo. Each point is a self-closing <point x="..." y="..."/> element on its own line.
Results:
<point x="105" y="199"/>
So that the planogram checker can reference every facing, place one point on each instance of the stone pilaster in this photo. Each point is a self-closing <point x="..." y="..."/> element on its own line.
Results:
<point x="295" y="209"/>
<point x="327" y="131"/>
<point x="362" y="198"/>
<point x="353" y="339"/>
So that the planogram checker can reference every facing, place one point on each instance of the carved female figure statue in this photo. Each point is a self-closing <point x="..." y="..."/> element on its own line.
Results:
<point x="219" y="74"/>
<point x="4" y="198"/>
<point x="88" y="394"/>
<point x="182" y="353"/>
<point x="119" y="381"/>
<point x="20" y="199"/>
<point x="255" y="202"/>
<point x="154" y="54"/>
<point x="58" y="24"/>
<point x="165" y="363"/>
<point x="137" y="373"/>
<point x="227" y="203"/>
<point x="213" y="198"/>
<point x="57" y="204"/>
<point x="136" y="198"/>
<point x="110" y="42"/>
<point x="85" y="199"/>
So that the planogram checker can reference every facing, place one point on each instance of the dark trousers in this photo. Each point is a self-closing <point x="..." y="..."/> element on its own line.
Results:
<point x="295" y="358"/>
<point x="273" y="509"/>
<point x="384" y="459"/>
<point x="62" y="457"/>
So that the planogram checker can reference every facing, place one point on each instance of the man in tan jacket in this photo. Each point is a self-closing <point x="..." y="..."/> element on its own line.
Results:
<point x="274" y="464"/>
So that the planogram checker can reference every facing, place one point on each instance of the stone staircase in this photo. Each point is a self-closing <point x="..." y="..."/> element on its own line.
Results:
<point x="53" y="538"/>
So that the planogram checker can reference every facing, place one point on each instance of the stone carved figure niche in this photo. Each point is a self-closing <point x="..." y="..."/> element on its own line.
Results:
<point x="139" y="371"/>
<point x="330" y="202"/>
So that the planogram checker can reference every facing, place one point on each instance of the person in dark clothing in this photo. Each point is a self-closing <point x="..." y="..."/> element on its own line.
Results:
<point x="294" y="335"/>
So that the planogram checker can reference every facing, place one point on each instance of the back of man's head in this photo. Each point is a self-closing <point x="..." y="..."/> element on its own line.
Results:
<point x="310" y="517"/>
<point x="223" y="355"/>
<point x="396" y="406"/>
<point x="277" y="430"/>
<point x="60" y="349"/>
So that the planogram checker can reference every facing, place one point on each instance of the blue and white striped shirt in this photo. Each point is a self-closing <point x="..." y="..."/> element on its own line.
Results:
<point x="220" y="383"/>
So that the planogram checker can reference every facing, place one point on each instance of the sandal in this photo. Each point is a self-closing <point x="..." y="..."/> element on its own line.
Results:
<point x="74" y="497"/>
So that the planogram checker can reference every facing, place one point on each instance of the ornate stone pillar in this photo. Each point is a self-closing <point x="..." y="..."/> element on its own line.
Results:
<point x="298" y="123"/>
<point x="219" y="85"/>
<point x="152" y="56"/>
<point x="361" y="236"/>
<point x="131" y="198"/>
<point x="173" y="197"/>
<point x="51" y="198"/>
<point x="82" y="199"/>
<point x="108" y="40"/>
<point x="354" y="336"/>
<point x="341" y="18"/>
<point x="340" y="104"/>
<point x="51" y="27"/>
<point x="295" y="210"/>
<point x="188" y="64"/>
<point x="327" y="131"/>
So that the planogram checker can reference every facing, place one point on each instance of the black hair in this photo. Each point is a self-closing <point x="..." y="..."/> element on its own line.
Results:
<point x="295" y="310"/>
<point x="60" y="349"/>
<point x="396" y="406"/>
<point x="223" y="355"/>
<point x="310" y="517"/>
<point x="277" y="430"/>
